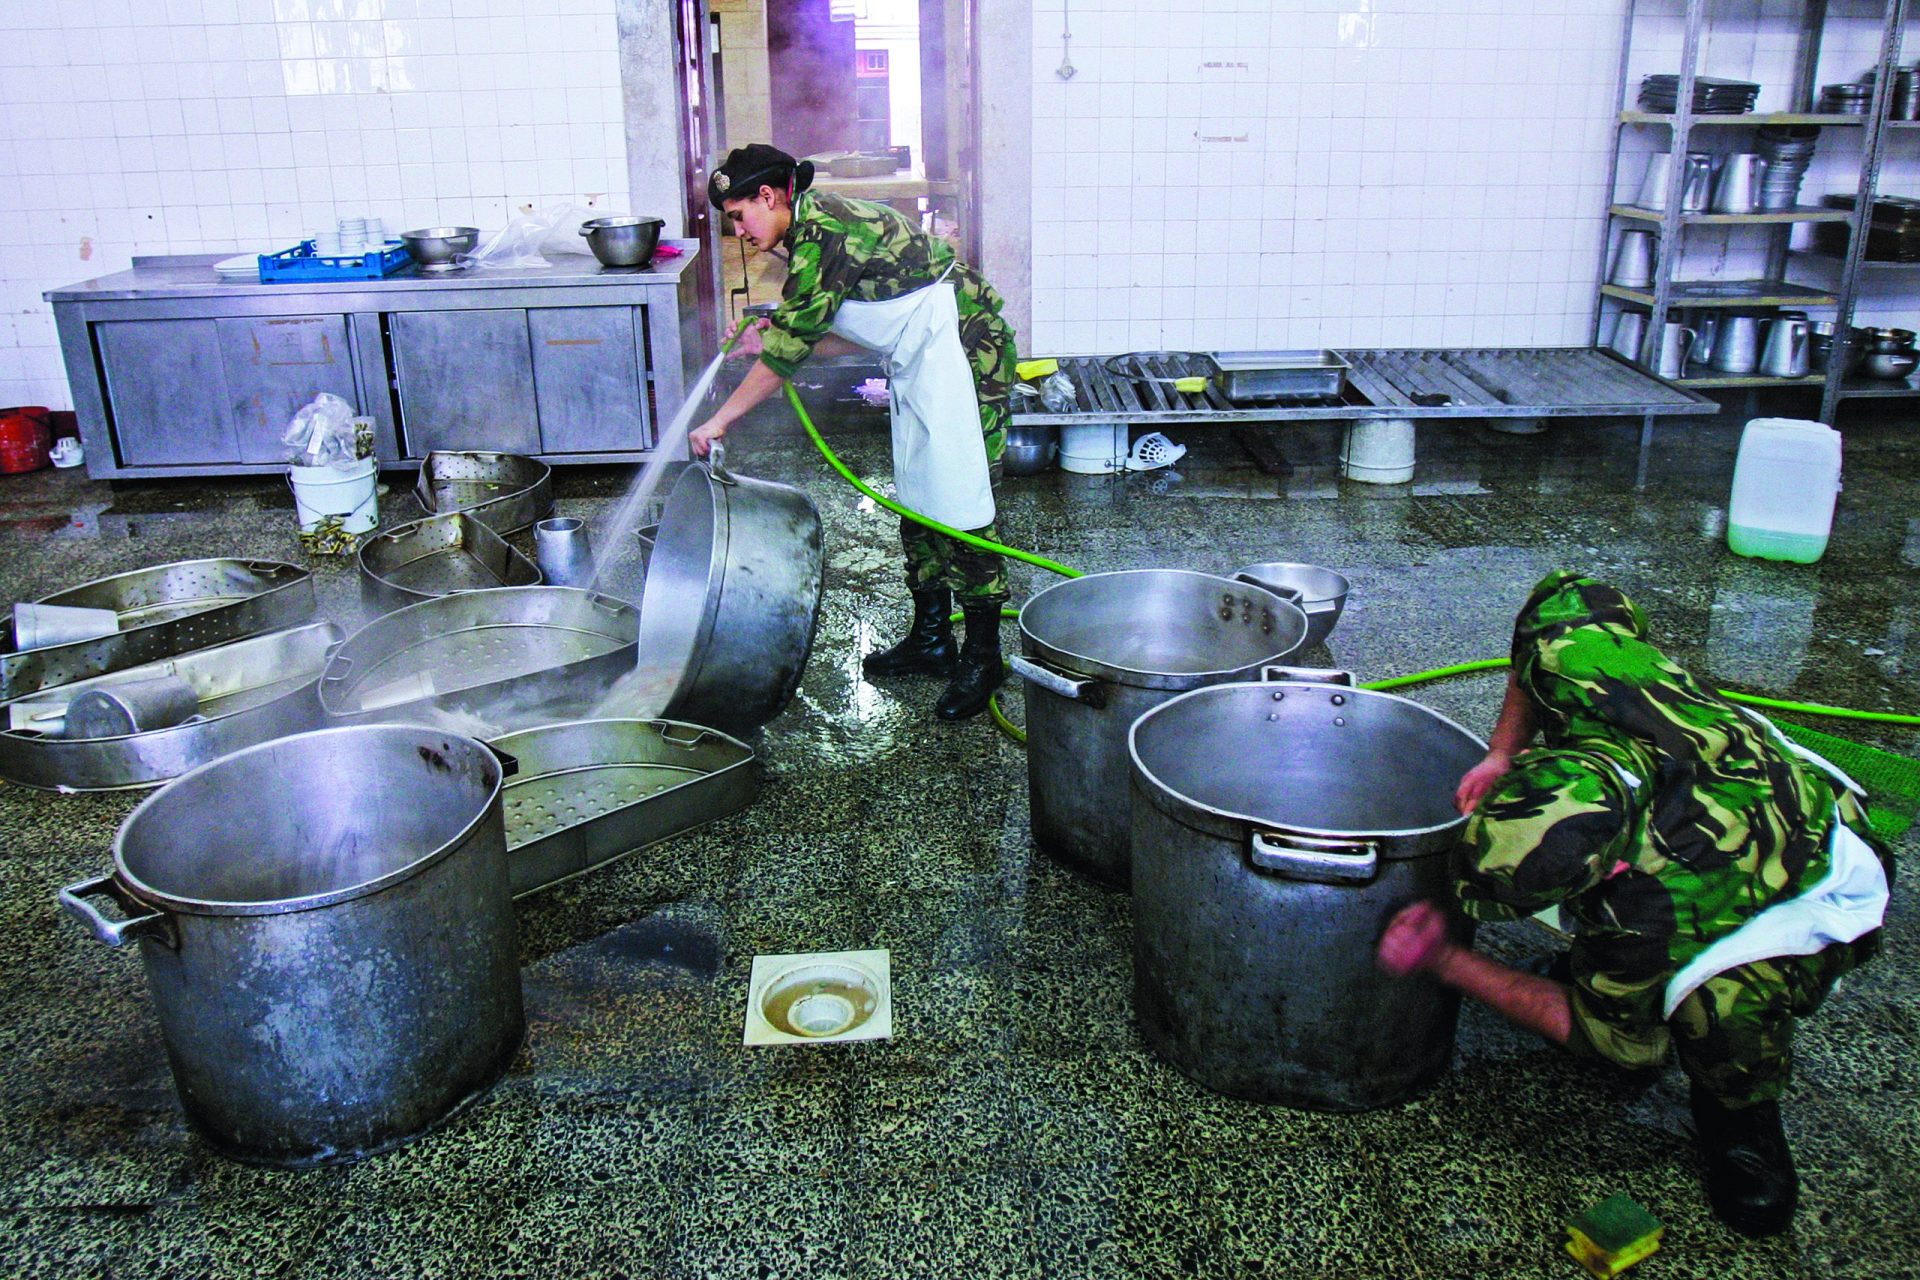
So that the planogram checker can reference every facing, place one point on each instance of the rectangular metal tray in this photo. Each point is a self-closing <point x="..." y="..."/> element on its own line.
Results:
<point x="1270" y="375"/>
<point x="591" y="791"/>
<point x="437" y="557"/>
<point x="484" y="662"/>
<point x="506" y="491"/>
<point x="165" y="610"/>
<point x="251" y="691"/>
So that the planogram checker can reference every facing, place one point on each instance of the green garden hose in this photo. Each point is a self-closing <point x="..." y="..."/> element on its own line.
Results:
<point x="1392" y="682"/>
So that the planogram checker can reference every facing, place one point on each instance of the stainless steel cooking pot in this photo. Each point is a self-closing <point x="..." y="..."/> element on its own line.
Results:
<point x="328" y="935"/>
<point x="1099" y="651"/>
<point x="1276" y="828"/>
<point x="732" y="597"/>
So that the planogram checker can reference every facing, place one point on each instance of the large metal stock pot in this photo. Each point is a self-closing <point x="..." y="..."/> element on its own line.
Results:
<point x="1276" y="828"/>
<point x="328" y="935"/>
<point x="732" y="596"/>
<point x="1101" y="650"/>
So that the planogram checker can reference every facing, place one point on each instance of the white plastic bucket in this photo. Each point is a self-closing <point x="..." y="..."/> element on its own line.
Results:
<point x="319" y="492"/>
<point x="1785" y="481"/>
<point x="1378" y="451"/>
<point x="1095" y="449"/>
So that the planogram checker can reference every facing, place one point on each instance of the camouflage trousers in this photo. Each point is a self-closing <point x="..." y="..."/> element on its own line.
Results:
<point x="989" y="342"/>
<point x="933" y="559"/>
<point x="1733" y="1034"/>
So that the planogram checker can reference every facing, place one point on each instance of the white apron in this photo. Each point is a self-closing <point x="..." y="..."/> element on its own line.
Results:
<point x="1850" y="900"/>
<point x="939" y="455"/>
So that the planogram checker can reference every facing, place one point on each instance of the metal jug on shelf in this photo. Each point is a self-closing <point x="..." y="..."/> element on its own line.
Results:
<point x="1736" y="348"/>
<point x="1738" y="188"/>
<point x="1653" y="188"/>
<point x="1698" y="188"/>
<point x="1676" y="341"/>
<point x="1633" y="260"/>
<point x="1706" y="327"/>
<point x="1629" y="333"/>
<point x="1789" y="349"/>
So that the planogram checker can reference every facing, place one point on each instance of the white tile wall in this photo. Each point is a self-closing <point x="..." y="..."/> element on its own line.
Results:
<point x="1223" y="173"/>
<point x="185" y="126"/>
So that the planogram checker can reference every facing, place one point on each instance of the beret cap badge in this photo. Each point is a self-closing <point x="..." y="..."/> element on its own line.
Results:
<point x="721" y="182"/>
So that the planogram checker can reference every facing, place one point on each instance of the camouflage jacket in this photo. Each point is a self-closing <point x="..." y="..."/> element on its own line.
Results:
<point x="1657" y="815"/>
<point x="841" y="249"/>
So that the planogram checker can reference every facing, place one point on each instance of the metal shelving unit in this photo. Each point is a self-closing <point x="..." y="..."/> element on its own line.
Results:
<point x="1772" y="290"/>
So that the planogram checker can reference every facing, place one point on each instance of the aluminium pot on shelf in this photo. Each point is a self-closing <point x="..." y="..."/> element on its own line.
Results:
<point x="327" y="929"/>
<point x="1277" y="827"/>
<point x="1100" y="650"/>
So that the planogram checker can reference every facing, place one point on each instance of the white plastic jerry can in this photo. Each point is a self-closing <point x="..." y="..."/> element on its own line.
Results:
<point x="1785" y="481"/>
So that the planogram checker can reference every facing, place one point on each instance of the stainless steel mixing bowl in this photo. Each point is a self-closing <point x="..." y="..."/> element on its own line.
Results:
<point x="623" y="241"/>
<point x="434" y="248"/>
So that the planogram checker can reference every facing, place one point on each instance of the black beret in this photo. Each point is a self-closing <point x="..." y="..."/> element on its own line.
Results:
<point x="750" y="167"/>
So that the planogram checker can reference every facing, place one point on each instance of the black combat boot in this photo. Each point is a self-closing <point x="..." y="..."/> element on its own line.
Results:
<point x="981" y="670"/>
<point x="928" y="648"/>
<point x="1750" y="1179"/>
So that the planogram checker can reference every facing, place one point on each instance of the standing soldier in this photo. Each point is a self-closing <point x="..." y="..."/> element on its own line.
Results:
<point x="1719" y="879"/>
<point x="863" y="272"/>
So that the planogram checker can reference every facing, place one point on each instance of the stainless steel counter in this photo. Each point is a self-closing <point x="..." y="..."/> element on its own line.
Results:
<point x="192" y="276"/>
<point x="176" y="371"/>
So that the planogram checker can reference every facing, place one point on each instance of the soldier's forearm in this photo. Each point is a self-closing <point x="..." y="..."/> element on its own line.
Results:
<point x="1538" y="1004"/>
<point x="1516" y="725"/>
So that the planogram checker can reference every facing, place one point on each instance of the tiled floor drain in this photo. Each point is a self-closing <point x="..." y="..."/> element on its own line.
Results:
<point x="819" y="998"/>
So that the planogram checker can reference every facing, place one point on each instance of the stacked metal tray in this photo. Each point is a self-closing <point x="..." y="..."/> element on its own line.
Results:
<point x="436" y="557"/>
<point x="165" y="610"/>
<point x="505" y="491"/>
<point x="484" y="662"/>
<point x="591" y="791"/>
<point x="250" y="691"/>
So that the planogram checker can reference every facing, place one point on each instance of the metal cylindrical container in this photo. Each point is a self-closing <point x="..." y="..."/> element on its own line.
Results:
<point x="1101" y="650"/>
<point x="731" y="598"/>
<point x="561" y="550"/>
<point x="1276" y="829"/>
<point x="328" y="934"/>
<point x="132" y="706"/>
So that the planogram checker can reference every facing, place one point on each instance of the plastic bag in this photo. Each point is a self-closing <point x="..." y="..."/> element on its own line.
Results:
<point x="1057" y="393"/>
<point x="528" y="236"/>
<point x="324" y="434"/>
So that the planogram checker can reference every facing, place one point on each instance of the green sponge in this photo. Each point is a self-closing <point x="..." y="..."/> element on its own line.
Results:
<point x="1612" y="1236"/>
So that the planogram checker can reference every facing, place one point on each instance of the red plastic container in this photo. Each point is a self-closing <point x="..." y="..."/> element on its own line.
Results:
<point x="26" y="439"/>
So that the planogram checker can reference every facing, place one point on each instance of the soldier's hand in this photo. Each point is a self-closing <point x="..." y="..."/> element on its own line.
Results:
<point x="1415" y="939"/>
<point x="700" y="439"/>
<point x="1480" y="780"/>
<point x="750" y="344"/>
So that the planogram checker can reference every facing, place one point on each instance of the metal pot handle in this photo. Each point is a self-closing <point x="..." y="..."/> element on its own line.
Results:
<point x="666" y="734"/>
<point x="1311" y="858"/>
<point x="1305" y="675"/>
<point x="117" y="933"/>
<point x="509" y="763"/>
<point x="1074" y="688"/>
<point x="1292" y="595"/>
<point x="717" y="463"/>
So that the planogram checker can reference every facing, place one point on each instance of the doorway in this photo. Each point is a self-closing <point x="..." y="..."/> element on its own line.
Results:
<point x="877" y="93"/>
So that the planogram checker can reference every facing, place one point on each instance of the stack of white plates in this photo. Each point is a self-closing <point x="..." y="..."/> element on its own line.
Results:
<point x="244" y="267"/>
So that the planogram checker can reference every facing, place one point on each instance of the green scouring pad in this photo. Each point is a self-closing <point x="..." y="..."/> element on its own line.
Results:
<point x="1612" y="1236"/>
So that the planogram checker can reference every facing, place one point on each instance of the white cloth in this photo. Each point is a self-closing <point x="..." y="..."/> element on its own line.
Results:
<point x="1850" y="900"/>
<point x="939" y="455"/>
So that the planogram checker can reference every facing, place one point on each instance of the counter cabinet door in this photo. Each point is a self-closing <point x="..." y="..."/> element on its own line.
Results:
<point x="275" y="366"/>
<point x="465" y="381"/>
<point x="166" y="392"/>
<point x="590" y="376"/>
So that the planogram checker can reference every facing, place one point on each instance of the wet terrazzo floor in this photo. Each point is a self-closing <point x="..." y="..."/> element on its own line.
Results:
<point x="1016" y="1124"/>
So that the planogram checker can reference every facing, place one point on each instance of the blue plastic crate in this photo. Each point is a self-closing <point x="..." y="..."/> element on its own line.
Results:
<point x="302" y="263"/>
